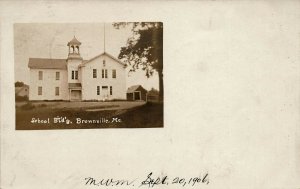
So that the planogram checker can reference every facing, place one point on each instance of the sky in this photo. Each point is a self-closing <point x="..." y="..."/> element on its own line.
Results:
<point x="42" y="40"/>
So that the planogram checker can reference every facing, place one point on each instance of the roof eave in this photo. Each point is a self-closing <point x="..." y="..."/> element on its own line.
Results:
<point x="105" y="53"/>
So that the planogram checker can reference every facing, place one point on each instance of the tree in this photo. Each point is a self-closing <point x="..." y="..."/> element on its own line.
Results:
<point x="144" y="50"/>
<point x="19" y="84"/>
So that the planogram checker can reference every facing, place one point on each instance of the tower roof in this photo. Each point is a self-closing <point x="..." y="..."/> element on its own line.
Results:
<point x="74" y="41"/>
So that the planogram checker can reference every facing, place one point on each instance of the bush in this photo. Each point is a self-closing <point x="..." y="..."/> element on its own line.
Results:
<point x="27" y="106"/>
<point x="21" y="98"/>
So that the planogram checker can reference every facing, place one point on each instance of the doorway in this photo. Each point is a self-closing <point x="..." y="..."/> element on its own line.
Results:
<point x="75" y="95"/>
<point x="137" y="95"/>
<point x="104" y="92"/>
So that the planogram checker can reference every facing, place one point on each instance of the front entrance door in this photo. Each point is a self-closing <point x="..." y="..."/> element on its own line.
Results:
<point x="75" y="95"/>
<point x="137" y="95"/>
<point x="104" y="92"/>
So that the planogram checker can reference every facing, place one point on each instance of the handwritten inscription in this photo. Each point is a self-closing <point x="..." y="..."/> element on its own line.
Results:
<point x="108" y="182"/>
<point x="150" y="181"/>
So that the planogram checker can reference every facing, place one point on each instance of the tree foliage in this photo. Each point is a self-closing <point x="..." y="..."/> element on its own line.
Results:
<point x="144" y="50"/>
<point x="19" y="84"/>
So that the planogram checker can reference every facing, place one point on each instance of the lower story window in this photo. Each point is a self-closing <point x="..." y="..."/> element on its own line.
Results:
<point x="98" y="90"/>
<point x="110" y="90"/>
<point x="40" y="90"/>
<point x="56" y="91"/>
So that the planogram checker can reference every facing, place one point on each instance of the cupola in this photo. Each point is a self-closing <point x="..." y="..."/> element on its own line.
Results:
<point x="74" y="49"/>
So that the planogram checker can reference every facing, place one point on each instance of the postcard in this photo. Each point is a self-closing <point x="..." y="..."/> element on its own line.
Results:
<point x="149" y="94"/>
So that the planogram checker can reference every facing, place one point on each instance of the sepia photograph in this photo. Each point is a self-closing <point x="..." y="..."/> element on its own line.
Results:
<point x="88" y="75"/>
<point x="149" y="94"/>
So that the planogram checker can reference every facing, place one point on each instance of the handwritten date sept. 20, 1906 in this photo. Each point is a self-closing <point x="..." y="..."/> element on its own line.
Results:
<point x="150" y="181"/>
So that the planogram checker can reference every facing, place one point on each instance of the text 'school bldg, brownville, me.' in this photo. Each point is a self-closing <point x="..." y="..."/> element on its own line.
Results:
<point x="100" y="78"/>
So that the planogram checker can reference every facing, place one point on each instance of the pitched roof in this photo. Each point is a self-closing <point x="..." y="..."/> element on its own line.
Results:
<point x="46" y="63"/>
<point x="134" y="88"/>
<point x="19" y="89"/>
<point x="105" y="53"/>
<point x="74" y="41"/>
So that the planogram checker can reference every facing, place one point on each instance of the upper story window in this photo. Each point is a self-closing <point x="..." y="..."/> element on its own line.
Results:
<point x="114" y="73"/>
<point x="40" y="75"/>
<point x="94" y="73"/>
<point x="104" y="63"/>
<point x="74" y="74"/>
<point x="104" y="73"/>
<point x="57" y="75"/>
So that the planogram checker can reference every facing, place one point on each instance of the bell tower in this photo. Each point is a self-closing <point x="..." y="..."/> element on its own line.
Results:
<point x="73" y="61"/>
<point x="74" y="49"/>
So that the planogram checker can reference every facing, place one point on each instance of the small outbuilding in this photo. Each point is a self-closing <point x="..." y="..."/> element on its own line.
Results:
<point x="22" y="91"/>
<point x="136" y="92"/>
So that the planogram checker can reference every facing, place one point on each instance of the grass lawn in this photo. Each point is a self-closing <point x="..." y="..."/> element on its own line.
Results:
<point x="86" y="116"/>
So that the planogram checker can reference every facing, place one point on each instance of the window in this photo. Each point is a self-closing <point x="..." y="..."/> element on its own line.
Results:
<point x="56" y="91"/>
<point x="94" y="73"/>
<point x="114" y="73"/>
<point x="40" y="90"/>
<point x="40" y="75"/>
<point x="74" y="74"/>
<point x="57" y="75"/>
<point x="103" y="63"/>
<point x="110" y="90"/>
<point x="98" y="90"/>
<point x="104" y="73"/>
